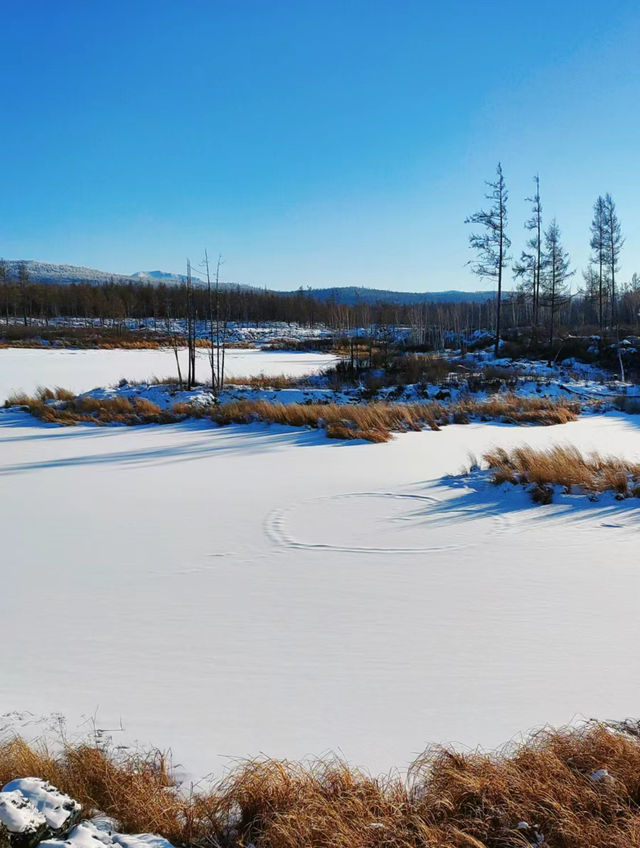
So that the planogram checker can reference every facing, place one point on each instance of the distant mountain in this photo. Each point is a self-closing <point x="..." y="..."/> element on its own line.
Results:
<point x="351" y="295"/>
<point x="50" y="272"/>
<point x="163" y="277"/>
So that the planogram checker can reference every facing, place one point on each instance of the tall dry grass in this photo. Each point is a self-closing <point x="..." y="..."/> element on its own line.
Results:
<point x="571" y="788"/>
<point x="374" y="421"/>
<point x="265" y="381"/>
<point x="565" y="466"/>
<point x="61" y="407"/>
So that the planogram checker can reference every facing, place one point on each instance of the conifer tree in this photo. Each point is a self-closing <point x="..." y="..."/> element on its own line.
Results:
<point x="492" y="243"/>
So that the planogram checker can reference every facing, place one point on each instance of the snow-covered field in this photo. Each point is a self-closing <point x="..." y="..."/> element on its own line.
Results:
<point x="24" y="369"/>
<point x="255" y="589"/>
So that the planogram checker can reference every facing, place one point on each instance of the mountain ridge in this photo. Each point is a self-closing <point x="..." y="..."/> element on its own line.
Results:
<point x="51" y="272"/>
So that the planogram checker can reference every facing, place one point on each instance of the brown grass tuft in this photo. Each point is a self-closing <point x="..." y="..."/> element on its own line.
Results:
<point x="553" y="782"/>
<point x="135" y="789"/>
<point x="563" y="466"/>
<point x="378" y="418"/>
<point x="373" y="421"/>
<point x="263" y="381"/>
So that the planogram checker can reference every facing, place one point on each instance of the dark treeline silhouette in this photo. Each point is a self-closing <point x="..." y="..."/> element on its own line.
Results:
<point x="25" y="301"/>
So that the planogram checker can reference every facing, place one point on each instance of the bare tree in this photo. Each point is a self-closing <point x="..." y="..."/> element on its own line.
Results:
<point x="493" y="244"/>
<point x="210" y="305"/>
<point x="191" y="330"/>
<point x="23" y="282"/>
<point x="528" y="268"/>
<point x="173" y="335"/>
<point x="4" y="284"/>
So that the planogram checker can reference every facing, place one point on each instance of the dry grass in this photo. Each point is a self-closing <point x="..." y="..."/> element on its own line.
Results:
<point x="135" y="789"/>
<point x="264" y="381"/>
<point x="450" y="800"/>
<point x="374" y="421"/>
<point x="377" y="420"/>
<point x="565" y="466"/>
<point x="62" y="407"/>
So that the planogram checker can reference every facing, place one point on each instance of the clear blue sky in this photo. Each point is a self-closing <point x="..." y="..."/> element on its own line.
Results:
<point x="315" y="143"/>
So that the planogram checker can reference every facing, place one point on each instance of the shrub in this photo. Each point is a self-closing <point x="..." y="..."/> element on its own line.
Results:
<point x="630" y="405"/>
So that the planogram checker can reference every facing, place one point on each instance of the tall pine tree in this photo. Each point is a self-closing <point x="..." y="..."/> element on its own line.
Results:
<point x="492" y="244"/>
<point x="555" y="274"/>
<point x="599" y="259"/>
<point x="613" y="242"/>
<point x="529" y="267"/>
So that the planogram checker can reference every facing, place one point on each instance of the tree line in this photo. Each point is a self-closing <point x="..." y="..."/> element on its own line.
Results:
<point x="543" y="270"/>
<point x="540" y="306"/>
<point x="26" y="300"/>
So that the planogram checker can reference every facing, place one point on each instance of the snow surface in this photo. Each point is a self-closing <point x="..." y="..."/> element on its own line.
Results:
<point x="94" y="834"/>
<point x="18" y="814"/>
<point x="231" y="591"/>
<point x="24" y="369"/>
<point x="56" y="807"/>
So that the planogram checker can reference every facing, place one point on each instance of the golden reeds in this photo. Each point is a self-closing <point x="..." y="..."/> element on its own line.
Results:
<point x="571" y="788"/>
<point x="374" y="421"/>
<point x="565" y="466"/>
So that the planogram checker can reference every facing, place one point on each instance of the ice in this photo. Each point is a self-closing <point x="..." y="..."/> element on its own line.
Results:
<point x="242" y="590"/>
<point x="24" y="369"/>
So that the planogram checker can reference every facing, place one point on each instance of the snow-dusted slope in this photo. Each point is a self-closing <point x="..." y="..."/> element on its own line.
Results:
<point x="253" y="589"/>
<point x="52" y="272"/>
<point x="163" y="277"/>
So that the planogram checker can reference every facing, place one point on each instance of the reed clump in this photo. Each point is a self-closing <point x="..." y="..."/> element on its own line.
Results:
<point x="565" y="466"/>
<point x="567" y="788"/>
<point x="264" y="381"/>
<point x="380" y="419"/>
<point x="375" y="421"/>
<point x="64" y="408"/>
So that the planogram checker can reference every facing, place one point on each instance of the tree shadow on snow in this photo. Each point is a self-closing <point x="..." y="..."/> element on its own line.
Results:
<point x="186" y="441"/>
<point x="473" y="496"/>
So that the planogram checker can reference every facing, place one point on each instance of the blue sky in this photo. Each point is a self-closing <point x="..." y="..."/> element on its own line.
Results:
<point x="311" y="143"/>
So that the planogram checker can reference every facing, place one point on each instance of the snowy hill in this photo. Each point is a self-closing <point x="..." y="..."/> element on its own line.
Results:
<point x="163" y="277"/>
<point x="50" y="272"/>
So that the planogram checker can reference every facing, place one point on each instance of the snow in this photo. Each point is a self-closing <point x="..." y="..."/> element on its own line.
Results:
<point x="93" y="834"/>
<point x="232" y="591"/>
<point x="24" y="369"/>
<point x="18" y="814"/>
<point x="83" y="835"/>
<point x="56" y="807"/>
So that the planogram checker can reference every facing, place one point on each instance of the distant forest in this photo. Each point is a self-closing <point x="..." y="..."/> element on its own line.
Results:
<point x="24" y="301"/>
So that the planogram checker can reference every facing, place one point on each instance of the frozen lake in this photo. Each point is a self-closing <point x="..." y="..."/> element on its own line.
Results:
<point x="24" y="369"/>
<point x="255" y="589"/>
